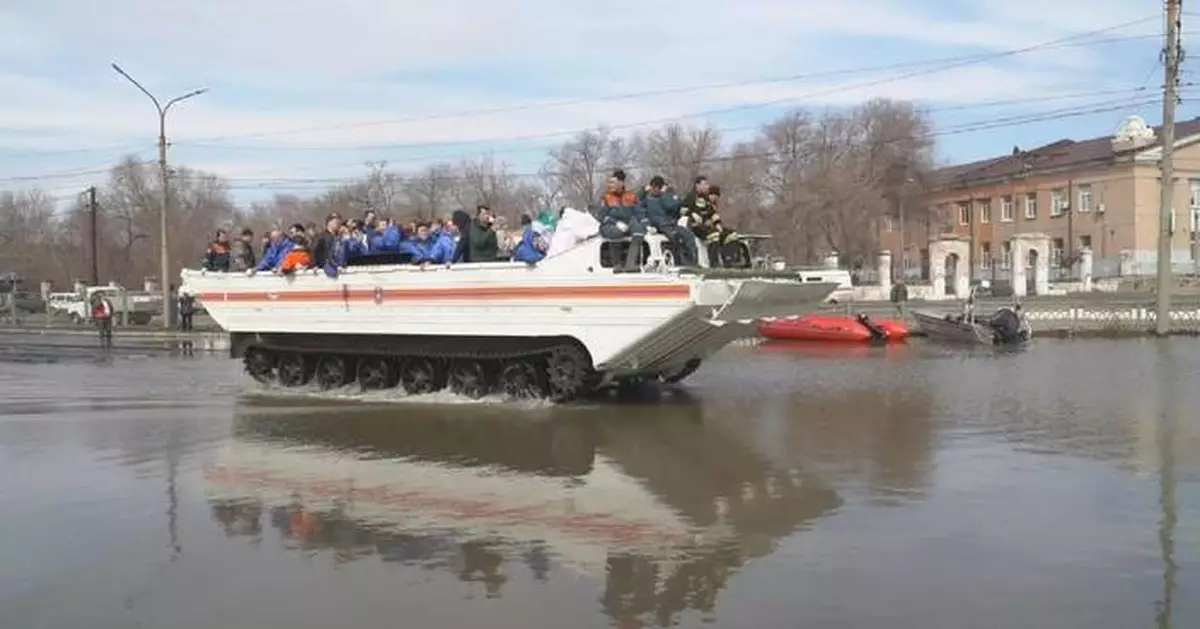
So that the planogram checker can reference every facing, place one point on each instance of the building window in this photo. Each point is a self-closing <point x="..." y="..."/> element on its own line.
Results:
<point x="1031" y="205"/>
<point x="1057" y="252"/>
<point x="1085" y="198"/>
<point x="1194" y="184"/>
<point x="1058" y="202"/>
<point x="1006" y="255"/>
<point x="985" y="255"/>
<point x="1006" y="210"/>
<point x="964" y="214"/>
<point x="985" y="211"/>
<point x="1085" y="241"/>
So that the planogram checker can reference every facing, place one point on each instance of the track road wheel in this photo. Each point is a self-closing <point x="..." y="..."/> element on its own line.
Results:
<point x="294" y="370"/>
<point x="419" y="376"/>
<point x="522" y="379"/>
<point x="260" y="365"/>
<point x="374" y="373"/>
<point x="333" y="372"/>
<point x="568" y="373"/>
<point x="469" y="378"/>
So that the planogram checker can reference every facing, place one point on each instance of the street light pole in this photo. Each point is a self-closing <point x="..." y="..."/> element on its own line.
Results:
<point x="164" y="258"/>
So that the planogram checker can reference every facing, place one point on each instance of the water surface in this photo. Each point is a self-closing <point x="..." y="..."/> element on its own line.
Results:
<point x="907" y="488"/>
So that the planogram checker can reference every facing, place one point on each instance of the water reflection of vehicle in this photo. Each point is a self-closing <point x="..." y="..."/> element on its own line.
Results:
<point x="663" y="509"/>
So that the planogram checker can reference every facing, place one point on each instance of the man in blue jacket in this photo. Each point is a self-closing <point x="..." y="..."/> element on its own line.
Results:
<point x="427" y="248"/>
<point x="387" y="237"/>
<point x="280" y="247"/>
<point x="529" y="250"/>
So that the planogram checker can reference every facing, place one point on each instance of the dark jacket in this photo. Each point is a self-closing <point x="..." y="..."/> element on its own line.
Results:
<point x="624" y="207"/>
<point x="695" y="204"/>
<point x="482" y="244"/>
<point x="243" y="256"/>
<point x="462" y="250"/>
<point x="217" y="257"/>
<point x="661" y="210"/>
<point x="323" y="249"/>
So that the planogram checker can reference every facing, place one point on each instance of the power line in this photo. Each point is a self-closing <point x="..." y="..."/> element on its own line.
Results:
<point x="97" y="149"/>
<point x="1131" y="101"/>
<point x="326" y="183"/>
<point x="953" y="62"/>
<point x="941" y="64"/>
<point x="1133" y="98"/>
<point x="540" y="147"/>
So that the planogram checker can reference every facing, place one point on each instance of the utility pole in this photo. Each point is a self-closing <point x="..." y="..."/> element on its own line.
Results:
<point x="93" y="210"/>
<point x="1171" y="54"/>
<point x="164" y="175"/>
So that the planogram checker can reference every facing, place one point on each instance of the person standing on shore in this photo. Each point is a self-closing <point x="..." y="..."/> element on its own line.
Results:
<point x="187" y="308"/>
<point x="102" y="314"/>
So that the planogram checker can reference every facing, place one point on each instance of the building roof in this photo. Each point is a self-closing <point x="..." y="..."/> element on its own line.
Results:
<point x="1060" y="154"/>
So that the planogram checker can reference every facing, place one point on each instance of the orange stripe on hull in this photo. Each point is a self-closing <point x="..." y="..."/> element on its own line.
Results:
<point x="378" y="295"/>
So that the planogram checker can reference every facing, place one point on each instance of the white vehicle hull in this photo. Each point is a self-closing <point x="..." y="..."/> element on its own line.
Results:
<point x="648" y="324"/>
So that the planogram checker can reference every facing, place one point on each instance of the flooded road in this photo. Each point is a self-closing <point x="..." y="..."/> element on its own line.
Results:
<point x="908" y="488"/>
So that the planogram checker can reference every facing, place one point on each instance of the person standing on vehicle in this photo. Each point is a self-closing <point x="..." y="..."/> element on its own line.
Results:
<point x="482" y="243"/>
<point x="244" y="258"/>
<point x="325" y="245"/>
<point x="102" y="314"/>
<point x="216" y="258"/>
<point x="661" y="207"/>
<point x="622" y="216"/>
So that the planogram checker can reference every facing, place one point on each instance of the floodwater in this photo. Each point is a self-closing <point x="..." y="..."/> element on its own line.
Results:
<point x="908" y="488"/>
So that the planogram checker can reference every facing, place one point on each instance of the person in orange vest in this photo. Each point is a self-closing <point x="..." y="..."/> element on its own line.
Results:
<point x="298" y="258"/>
<point x="102" y="314"/>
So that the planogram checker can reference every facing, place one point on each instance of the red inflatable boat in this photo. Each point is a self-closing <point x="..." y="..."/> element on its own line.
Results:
<point x="833" y="328"/>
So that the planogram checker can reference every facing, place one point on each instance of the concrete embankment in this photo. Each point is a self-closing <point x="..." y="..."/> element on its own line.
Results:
<point x="1083" y="314"/>
<point x="214" y="340"/>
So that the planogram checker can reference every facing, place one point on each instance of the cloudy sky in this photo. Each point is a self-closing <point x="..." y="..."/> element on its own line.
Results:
<point x="311" y="90"/>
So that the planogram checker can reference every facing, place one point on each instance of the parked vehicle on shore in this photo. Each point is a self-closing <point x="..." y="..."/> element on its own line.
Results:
<point x="139" y="307"/>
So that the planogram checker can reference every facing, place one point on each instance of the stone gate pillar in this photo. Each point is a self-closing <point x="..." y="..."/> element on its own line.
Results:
<point x="1022" y="244"/>
<point x="1085" y="268"/>
<point x="1017" y="256"/>
<point x="940" y="249"/>
<point x="884" y="269"/>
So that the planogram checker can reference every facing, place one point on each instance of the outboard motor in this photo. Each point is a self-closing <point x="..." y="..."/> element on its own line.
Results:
<point x="1008" y="327"/>
<point x="877" y="333"/>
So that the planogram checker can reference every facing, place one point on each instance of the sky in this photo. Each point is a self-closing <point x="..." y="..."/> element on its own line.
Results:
<point x="305" y="92"/>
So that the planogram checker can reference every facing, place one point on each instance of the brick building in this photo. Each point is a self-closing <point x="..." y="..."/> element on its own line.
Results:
<point x="1101" y="193"/>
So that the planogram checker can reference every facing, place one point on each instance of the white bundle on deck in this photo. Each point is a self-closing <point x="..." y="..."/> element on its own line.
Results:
<point x="573" y="228"/>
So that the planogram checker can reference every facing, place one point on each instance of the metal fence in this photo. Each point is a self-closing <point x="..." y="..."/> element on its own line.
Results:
<point x="996" y="272"/>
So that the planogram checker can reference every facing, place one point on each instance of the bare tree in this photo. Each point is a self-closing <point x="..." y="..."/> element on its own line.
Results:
<point x="817" y="181"/>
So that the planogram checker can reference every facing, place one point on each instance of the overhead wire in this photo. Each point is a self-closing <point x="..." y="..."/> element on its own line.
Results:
<point x="941" y="64"/>
<point x="427" y="158"/>
<point x="284" y="184"/>
<point x="945" y="64"/>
